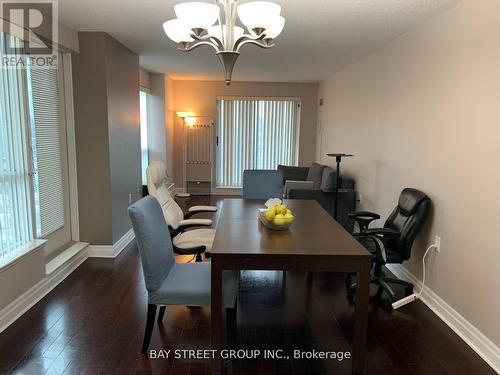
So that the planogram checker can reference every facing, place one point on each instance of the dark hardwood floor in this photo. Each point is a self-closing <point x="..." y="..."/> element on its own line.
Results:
<point x="93" y="323"/>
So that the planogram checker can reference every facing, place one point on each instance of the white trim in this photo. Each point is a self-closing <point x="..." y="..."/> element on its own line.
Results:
<point x="111" y="251"/>
<point x="24" y="251"/>
<point x="23" y="303"/>
<point x="65" y="257"/>
<point x="71" y="145"/>
<point x="178" y="190"/>
<point x="227" y="191"/>
<point x="481" y="344"/>
<point x="297" y="99"/>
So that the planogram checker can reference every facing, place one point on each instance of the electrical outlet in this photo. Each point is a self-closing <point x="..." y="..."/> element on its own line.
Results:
<point x="358" y="196"/>
<point x="437" y="243"/>
<point x="130" y="199"/>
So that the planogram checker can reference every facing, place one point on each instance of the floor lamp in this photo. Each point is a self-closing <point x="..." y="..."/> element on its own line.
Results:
<point x="338" y="159"/>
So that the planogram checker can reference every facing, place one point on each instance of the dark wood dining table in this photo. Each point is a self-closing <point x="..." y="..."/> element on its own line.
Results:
<point x="314" y="242"/>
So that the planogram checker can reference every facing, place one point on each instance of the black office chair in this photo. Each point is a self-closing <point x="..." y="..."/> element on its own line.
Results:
<point x="393" y="242"/>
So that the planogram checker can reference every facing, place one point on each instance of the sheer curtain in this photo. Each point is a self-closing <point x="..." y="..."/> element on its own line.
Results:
<point x="255" y="134"/>
<point x="16" y="228"/>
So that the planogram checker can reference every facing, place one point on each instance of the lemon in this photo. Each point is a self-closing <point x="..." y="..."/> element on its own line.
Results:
<point x="289" y="212"/>
<point x="270" y="214"/>
<point x="281" y="209"/>
<point x="279" y="219"/>
<point x="288" y="217"/>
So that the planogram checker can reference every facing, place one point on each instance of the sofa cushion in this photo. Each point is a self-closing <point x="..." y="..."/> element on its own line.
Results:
<point x="328" y="179"/>
<point x="315" y="174"/>
<point x="293" y="173"/>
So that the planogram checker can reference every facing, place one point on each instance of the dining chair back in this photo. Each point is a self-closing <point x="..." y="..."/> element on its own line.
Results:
<point x="262" y="184"/>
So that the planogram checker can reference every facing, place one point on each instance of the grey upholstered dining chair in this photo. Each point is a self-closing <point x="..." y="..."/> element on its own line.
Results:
<point x="262" y="184"/>
<point x="167" y="282"/>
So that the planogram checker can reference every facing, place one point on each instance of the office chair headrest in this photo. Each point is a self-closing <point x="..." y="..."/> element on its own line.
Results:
<point x="410" y="199"/>
<point x="156" y="172"/>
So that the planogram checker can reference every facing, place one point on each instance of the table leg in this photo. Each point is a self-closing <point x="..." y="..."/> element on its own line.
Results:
<point x="216" y="310"/>
<point x="361" y="319"/>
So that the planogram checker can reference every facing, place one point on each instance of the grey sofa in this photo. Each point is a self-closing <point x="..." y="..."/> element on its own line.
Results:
<point x="323" y="190"/>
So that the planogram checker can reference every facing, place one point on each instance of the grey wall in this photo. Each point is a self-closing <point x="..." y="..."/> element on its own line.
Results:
<point x="20" y="276"/>
<point x="122" y="77"/>
<point x="424" y="112"/>
<point x="92" y="140"/>
<point x="106" y="97"/>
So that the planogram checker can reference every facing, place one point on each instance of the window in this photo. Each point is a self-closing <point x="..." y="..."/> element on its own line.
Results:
<point x="45" y="128"/>
<point x="255" y="134"/>
<point x="34" y="182"/>
<point x="144" y="135"/>
<point x="16" y="228"/>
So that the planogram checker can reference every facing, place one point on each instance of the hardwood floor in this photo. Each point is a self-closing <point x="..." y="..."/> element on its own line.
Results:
<point x="93" y="323"/>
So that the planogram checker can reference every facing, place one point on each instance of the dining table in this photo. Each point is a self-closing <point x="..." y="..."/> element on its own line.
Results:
<point x="315" y="242"/>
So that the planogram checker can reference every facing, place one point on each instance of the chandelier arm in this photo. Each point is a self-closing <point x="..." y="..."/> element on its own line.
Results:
<point x="213" y="39"/>
<point x="245" y="38"/>
<point x="197" y="44"/>
<point x="256" y="42"/>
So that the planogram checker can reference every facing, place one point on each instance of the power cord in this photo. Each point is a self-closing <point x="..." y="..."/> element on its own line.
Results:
<point x="415" y="296"/>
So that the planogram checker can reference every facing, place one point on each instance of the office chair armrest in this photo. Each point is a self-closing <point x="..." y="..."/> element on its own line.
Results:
<point x="186" y="224"/>
<point x="363" y="218"/>
<point x="378" y="244"/>
<point x="385" y="233"/>
<point x="190" y="251"/>
<point x="189" y="223"/>
<point x="199" y="209"/>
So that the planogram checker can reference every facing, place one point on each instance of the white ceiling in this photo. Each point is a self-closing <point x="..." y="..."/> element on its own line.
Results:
<point x="320" y="36"/>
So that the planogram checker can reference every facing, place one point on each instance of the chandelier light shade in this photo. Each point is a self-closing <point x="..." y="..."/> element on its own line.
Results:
<point x="177" y="31"/>
<point x="214" y="25"/>
<point x="258" y="14"/>
<point x="197" y="15"/>
<point x="276" y="28"/>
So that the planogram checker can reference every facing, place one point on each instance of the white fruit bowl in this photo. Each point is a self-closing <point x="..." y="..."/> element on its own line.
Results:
<point x="271" y="225"/>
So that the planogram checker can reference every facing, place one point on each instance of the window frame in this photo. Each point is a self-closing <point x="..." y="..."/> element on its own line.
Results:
<point x="147" y="92"/>
<point x="69" y="122"/>
<point x="237" y="190"/>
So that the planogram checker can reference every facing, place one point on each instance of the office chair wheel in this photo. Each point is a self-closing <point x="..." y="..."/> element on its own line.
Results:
<point x="350" y="296"/>
<point x="386" y="304"/>
<point x="348" y="280"/>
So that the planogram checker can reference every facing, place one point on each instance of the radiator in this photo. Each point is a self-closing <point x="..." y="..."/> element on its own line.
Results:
<point x="198" y="159"/>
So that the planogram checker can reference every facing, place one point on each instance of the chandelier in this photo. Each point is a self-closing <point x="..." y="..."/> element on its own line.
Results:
<point x="198" y="24"/>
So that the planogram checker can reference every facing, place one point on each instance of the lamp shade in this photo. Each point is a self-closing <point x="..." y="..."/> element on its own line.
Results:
<point x="276" y="29"/>
<point x="197" y="15"/>
<point x="258" y="14"/>
<point x="177" y="31"/>
<point x="218" y="33"/>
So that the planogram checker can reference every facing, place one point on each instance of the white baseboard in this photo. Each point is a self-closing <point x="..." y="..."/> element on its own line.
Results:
<point x="482" y="345"/>
<point x="238" y="192"/>
<point x="111" y="251"/>
<point x="23" y="303"/>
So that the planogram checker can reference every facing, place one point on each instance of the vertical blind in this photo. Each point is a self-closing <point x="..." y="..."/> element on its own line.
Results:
<point x="255" y="134"/>
<point x="16" y="228"/>
<point x="45" y="120"/>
